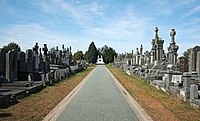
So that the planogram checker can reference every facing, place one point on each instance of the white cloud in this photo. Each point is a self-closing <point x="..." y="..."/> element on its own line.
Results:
<point x="193" y="11"/>
<point x="126" y="32"/>
<point x="79" y="12"/>
<point x="27" y="35"/>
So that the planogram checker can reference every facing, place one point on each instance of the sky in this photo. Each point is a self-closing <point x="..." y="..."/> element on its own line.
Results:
<point x="121" y="24"/>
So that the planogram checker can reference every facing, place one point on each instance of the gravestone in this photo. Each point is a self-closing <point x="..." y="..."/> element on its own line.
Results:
<point x="29" y="60"/>
<point x="22" y="66"/>
<point x="168" y="79"/>
<point x="186" y="83"/>
<point x="198" y="63"/>
<point x="141" y="59"/>
<point x="2" y="62"/>
<point x="137" y="56"/>
<point x="36" y="57"/>
<point x="157" y="48"/>
<point x="172" y="49"/>
<point x="45" y="59"/>
<point x="194" y="91"/>
<point x="57" y="55"/>
<point x="40" y="60"/>
<point x="11" y="66"/>
<point x="193" y="58"/>
<point x="183" y="64"/>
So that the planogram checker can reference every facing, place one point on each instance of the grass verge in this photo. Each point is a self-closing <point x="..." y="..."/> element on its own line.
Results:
<point x="36" y="106"/>
<point x="158" y="104"/>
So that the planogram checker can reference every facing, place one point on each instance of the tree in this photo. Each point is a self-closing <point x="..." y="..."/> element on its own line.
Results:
<point x="78" y="55"/>
<point x="187" y="53"/>
<point x="12" y="46"/>
<point x="108" y="54"/>
<point x="92" y="53"/>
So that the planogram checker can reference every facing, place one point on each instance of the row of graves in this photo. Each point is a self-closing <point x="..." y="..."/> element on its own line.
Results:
<point x="177" y="76"/>
<point x="24" y="73"/>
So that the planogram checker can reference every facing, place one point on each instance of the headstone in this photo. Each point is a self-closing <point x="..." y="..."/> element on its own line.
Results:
<point x="172" y="49"/>
<point x="198" y="63"/>
<point x="137" y="56"/>
<point x="183" y="64"/>
<point x="11" y="66"/>
<point x="41" y="60"/>
<point x="194" y="91"/>
<point x="193" y="58"/>
<point x="168" y="79"/>
<point x="57" y="55"/>
<point x="21" y="62"/>
<point x="187" y="79"/>
<point x="186" y="83"/>
<point x="157" y="48"/>
<point x="29" y="60"/>
<point x="141" y="59"/>
<point x="36" y="57"/>
<point x="2" y="62"/>
<point x="45" y="59"/>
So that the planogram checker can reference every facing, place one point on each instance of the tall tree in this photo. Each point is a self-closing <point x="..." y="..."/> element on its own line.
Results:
<point x="12" y="46"/>
<point x="92" y="53"/>
<point x="108" y="54"/>
<point x="187" y="53"/>
<point x="78" y="55"/>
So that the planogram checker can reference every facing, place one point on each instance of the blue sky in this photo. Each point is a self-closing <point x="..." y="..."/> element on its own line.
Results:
<point x="121" y="24"/>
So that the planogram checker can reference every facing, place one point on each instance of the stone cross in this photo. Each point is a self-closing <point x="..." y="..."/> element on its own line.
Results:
<point x="45" y="49"/>
<point x="41" y="60"/>
<point x="172" y="34"/>
<point x="36" y="56"/>
<point x="57" y="54"/>
<point x="36" y="47"/>
<point x="141" y="50"/>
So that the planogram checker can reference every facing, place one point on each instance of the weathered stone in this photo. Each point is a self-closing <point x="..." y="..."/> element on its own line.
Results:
<point x="168" y="79"/>
<point x="183" y="64"/>
<point x="193" y="58"/>
<point x="194" y="91"/>
<point x="11" y="66"/>
<point x="187" y="79"/>
<point x="2" y="62"/>
<point x="172" y="49"/>
<point x="198" y="63"/>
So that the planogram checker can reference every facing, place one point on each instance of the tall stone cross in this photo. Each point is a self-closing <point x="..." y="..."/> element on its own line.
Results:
<point x="45" y="49"/>
<point x="36" y="54"/>
<point x="36" y="48"/>
<point x="172" y="34"/>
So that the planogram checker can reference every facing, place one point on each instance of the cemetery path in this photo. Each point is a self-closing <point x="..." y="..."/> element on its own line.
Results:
<point x="99" y="99"/>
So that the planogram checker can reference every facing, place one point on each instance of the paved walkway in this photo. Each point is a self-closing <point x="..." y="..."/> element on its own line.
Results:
<point x="98" y="100"/>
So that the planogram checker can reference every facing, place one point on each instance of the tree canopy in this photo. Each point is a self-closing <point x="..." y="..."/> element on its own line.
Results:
<point x="12" y="46"/>
<point x="92" y="53"/>
<point x="187" y="53"/>
<point x="78" y="55"/>
<point x="108" y="54"/>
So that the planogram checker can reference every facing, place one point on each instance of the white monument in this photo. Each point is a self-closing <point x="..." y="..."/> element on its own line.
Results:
<point x="100" y="60"/>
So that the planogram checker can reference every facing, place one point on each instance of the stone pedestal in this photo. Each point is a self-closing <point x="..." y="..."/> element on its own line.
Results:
<point x="168" y="79"/>
<point x="187" y="82"/>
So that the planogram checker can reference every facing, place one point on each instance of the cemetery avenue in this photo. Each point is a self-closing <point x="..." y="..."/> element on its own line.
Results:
<point x="99" y="60"/>
<point x="98" y="100"/>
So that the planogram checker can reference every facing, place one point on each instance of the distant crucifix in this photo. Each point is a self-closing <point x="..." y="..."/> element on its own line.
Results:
<point x="172" y="34"/>
<point x="156" y="32"/>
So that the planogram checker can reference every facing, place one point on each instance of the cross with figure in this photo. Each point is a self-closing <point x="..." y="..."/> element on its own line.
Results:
<point x="172" y="34"/>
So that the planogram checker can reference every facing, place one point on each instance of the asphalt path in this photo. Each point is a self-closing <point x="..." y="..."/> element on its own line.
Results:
<point x="99" y="99"/>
